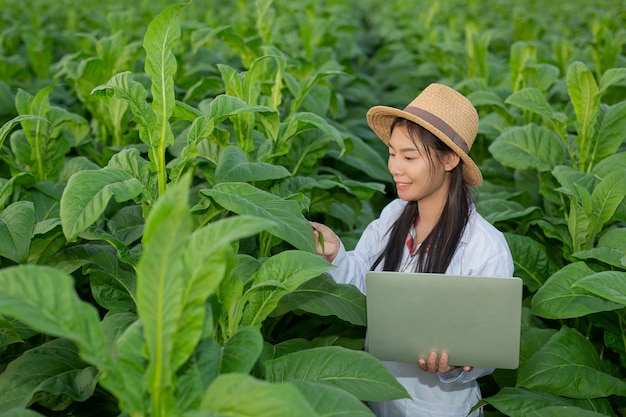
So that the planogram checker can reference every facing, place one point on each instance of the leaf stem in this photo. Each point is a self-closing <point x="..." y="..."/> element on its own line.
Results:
<point x="621" y="327"/>
<point x="38" y="151"/>
<point x="162" y="178"/>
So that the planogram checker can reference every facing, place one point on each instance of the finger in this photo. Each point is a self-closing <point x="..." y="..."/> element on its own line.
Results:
<point x="422" y="364"/>
<point x="319" y="238"/>
<point x="432" y="362"/>
<point x="443" y="362"/>
<point x="316" y="226"/>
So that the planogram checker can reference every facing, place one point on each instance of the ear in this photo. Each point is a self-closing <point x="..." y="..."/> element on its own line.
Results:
<point x="450" y="161"/>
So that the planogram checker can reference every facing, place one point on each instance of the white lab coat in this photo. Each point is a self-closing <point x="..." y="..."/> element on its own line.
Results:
<point x="482" y="250"/>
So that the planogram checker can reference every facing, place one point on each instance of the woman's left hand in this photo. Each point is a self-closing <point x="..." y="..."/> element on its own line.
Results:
<point x="432" y="365"/>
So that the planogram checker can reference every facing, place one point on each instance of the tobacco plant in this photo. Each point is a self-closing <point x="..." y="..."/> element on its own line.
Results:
<point x="180" y="293"/>
<point x="154" y="198"/>
<point x="568" y="241"/>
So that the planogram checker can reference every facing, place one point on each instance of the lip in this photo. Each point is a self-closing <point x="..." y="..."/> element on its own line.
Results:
<point x="400" y="186"/>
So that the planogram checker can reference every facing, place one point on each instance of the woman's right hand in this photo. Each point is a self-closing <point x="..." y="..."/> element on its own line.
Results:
<point x="329" y="244"/>
<point x="432" y="365"/>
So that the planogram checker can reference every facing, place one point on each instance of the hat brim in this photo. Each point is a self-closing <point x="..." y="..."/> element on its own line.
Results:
<point x="380" y="119"/>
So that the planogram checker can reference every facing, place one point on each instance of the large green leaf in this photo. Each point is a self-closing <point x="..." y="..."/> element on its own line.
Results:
<point x="574" y="183"/>
<point x="606" y="197"/>
<point x="87" y="194"/>
<point x="519" y="402"/>
<point x="242" y="350"/>
<point x="222" y="107"/>
<point x="20" y="412"/>
<point x="279" y="275"/>
<point x="319" y="395"/>
<point x="127" y="224"/>
<point x="162" y="33"/>
<point x="160" y="66"/>
<point x="130" y="161"/>
<point x="301" y="90"/>
<point x="529" y="147"/>
<point x="17" y="222"/>
<point x="39" y="105"/>
<point x="578" y="186"/>
<point x="124" y="87"/>
<point x="611" y="77"/>
<point x="570" y="366"/>
<point x="74" y="165"/>
<point x="240" y="395"/>
<point x="201" y="275"/>
<point x="532" y="339"/>
<point x="124" y="254"/>
<point x="14" y="183"/>
<point x="521" y="53"/>
<point x="161" y="285"/>
<point x="546" y="76"/>
<point x="531" y="260"/>
<point x="53" y="368"/>
<point x="6" y="128"/>
<point x="323" y="296"/>
<point x="560" y="298"/>
<point x="44" y="298"/>
<point x="206" y="256"/>
<point x="585" y="98"/>
<point x="610" y="285"/>
<point x="610" y="248"/>
<point x="609" y="164"/>
<point x="533" y="100"/>
<point x="288" y="222"/>
<point x="486" y="98"/>
<point x="114" y="325"/>
<point x="357" y="372"/>
<point x="129" y="384"/>
<point x="195" y="377"/>
<point x="112" y="282"/>
<point x="559" y="411"/>
<point x="614" y="326"/>
<point x="499" y="210"/>
<point x="234" y="166"/>
<point x="12" y="332"/>
<point x="610" y="130"/>
<point x="300" y="122"/>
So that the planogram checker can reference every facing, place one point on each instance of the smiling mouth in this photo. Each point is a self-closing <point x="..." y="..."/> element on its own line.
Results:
<point x="403" y="184"/>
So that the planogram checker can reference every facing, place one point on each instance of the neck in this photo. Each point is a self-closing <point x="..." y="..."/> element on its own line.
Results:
<point x="430" y="210"/>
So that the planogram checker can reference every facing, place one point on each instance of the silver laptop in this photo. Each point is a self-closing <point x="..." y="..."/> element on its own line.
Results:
<point x="476" y="320"/>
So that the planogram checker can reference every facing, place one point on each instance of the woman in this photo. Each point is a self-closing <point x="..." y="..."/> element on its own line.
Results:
<point x="433" y="226"/>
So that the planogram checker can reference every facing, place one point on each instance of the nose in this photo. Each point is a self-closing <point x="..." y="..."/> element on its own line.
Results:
<point x="394" y="166"/>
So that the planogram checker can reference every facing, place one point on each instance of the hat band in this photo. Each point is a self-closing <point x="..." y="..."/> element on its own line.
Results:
<point x="445" y="128"/>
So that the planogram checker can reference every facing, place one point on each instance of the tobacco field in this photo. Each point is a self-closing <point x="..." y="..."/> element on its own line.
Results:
<point x="160" y="162"/>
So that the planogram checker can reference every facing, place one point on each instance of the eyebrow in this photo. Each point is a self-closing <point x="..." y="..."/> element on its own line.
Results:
<point x="405" y="149"/>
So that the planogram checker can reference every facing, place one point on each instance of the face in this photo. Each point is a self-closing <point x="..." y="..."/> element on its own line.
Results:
<point x="418" y="177"/>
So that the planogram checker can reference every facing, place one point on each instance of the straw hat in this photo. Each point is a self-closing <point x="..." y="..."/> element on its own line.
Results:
<point x="444" y="112"/>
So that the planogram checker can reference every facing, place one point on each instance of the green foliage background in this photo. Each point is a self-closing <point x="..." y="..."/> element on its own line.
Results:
<point x="159" y="162"/>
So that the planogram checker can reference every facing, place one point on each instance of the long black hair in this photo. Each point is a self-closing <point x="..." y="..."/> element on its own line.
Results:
<point x="436" y="251"/>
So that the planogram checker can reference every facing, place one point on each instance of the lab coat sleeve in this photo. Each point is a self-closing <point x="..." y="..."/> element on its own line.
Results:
<point x="353" y="265"/>
<point x="458" y="376"/>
